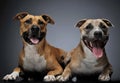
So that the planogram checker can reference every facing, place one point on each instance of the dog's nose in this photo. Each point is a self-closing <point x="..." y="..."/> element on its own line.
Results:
<point x="98" y="34"/>
<point x="35" y="28"/>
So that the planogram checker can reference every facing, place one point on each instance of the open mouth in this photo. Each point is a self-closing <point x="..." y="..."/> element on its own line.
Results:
<point x="96" y="46"/>
<point x="34" y="40"/>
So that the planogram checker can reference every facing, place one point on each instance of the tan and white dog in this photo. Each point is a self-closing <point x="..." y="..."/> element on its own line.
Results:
<point x="37" y="55"/>
<point x="89" y="56"/>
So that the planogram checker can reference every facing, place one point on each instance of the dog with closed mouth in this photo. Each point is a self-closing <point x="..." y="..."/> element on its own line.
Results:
<point x="89" y="56"/>
<point x="37" y="54"/>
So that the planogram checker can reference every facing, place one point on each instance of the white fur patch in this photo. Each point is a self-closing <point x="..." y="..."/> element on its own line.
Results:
<point x="104" y="77"/>
<point x="32" y="60"/>
<point x="74" y="79"/>
<point x="11" y="76"/>
<point x="49" y="78"/>
<point x="87" y="65"/>
<point x="62" y="78"/>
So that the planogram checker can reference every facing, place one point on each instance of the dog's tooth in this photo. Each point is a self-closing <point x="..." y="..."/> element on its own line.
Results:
<point x="91" y="44"/>
<point x="86" y="41"/>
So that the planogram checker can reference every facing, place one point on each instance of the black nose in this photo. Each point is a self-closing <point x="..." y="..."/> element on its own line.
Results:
<point x="35" y="28"/>
<point x="98" y="34"/>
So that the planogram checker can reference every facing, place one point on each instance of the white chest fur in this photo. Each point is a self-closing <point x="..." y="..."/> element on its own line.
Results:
<point x="87" y="65"/>
<point x="32" y="60"/>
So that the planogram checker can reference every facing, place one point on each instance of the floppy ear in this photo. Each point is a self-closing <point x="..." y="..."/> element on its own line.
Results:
<point x="107" y="22"/>
<point x="80" y="23"/>
<point x="20" y="16"/>
<point x="48" y="19"/>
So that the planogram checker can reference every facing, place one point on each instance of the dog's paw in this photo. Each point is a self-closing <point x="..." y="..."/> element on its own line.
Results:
<point x="49" y="78"/>
<point x="74" y="79"/>
<point x="11" y="76"/>
<point x="104" y="77"/>
<point x="62" y="78"/>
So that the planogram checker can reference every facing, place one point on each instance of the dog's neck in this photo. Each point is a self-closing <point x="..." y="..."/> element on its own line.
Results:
<point x="39" y="47"/>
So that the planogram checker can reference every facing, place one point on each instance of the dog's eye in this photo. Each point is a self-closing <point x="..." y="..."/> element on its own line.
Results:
<point x="29" y="21"/>
<point x="89" y="27"/>
<point x="40" y="22"/>
<point x="103" y="27"/>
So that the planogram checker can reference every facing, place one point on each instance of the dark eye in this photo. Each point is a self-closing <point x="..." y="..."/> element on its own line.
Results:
<point x="89" y="27"/>
<point x="29" y="21"/>
<point x="40" y="22"/>
<point x="103" y="27"/>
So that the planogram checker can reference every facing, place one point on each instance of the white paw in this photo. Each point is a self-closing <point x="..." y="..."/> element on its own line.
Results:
<point x="11" y="76"/>
<point x="49" y="78"/>
<point x="104" y="77"/>
<point x="74" y="79"/>
<point x="61" y="78"/>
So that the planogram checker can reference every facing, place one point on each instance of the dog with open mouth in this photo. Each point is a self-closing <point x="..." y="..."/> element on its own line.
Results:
<point x="89" y="56"/>
<point x="37" y="54"/>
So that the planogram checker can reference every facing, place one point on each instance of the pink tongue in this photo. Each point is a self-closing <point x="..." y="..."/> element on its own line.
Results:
<point x="34" y="40"/>
<point x="98" y="52"/>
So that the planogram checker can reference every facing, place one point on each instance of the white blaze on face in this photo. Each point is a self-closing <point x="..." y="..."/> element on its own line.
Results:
<point x="97" y="51"/>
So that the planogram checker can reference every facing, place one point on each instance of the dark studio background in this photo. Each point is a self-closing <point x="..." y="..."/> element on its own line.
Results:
<point x="66" y="13"/>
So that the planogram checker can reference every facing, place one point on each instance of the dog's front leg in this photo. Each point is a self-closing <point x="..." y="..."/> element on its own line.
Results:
<point x="13" y="75"/>
<point x="106" y="74"/>
<point x="65" y="75"/>
<point x="51" y="74"/>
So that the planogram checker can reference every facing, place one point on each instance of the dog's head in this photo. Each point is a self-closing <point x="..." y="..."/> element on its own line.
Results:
<point x="94" y="34"/>
<point x="33" y="28"/>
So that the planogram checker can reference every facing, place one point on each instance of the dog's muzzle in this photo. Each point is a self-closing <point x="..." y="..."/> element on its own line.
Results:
<point x="96" y="44"/>
<point x="34" y="35"/>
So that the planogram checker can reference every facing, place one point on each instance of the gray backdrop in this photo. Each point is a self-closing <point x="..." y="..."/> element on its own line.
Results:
<point x="66" y="13"/>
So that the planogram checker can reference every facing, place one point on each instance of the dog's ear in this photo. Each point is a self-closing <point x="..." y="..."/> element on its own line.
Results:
<point x="20" y="16"/>
<point x="107" y="22"/>
<point x="48" y="19"/>
<point x="80" y="23"/>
